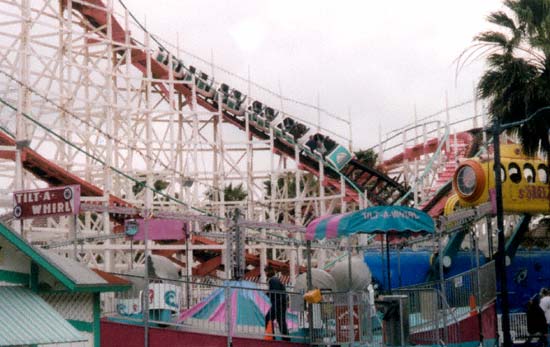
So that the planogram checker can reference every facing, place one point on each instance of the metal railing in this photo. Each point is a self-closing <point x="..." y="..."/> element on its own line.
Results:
<point x="241" y="309"/>
<point x="342" y="318"/>
<point x="427" y="314"/>
<point x="436" y="308"/>
<point x="518" y="326"/>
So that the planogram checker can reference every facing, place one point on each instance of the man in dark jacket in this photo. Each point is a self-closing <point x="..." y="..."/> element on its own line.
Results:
<point x="536" y="322"/>
<point x="279" y="301"/>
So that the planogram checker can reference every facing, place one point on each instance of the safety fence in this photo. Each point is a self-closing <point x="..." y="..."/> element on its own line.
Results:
<point x="436" y="308"/>
<point x="242" y="308"/>
<point x="518" y="327"/>
<point x="424" y="315"/>
<point x="341" y="318"/>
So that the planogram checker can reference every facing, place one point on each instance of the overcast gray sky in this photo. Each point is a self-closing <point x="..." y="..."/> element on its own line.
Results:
<point x="379" y="59"/>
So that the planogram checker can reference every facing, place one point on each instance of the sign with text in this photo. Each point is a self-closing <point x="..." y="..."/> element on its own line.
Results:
<point x="57" y="201"/>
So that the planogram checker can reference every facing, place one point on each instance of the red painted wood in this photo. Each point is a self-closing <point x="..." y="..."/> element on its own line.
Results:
<point x="118" y="334"/>
<point x="466" y="330"/>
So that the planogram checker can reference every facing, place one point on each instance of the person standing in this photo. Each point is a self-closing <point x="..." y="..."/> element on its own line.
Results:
<point x="536" y="320"/>
<point x="545" y="306"/>
<point x="279" y="301"/>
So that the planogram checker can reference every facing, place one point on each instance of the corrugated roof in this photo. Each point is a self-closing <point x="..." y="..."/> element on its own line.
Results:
<point x="27" y="320"/>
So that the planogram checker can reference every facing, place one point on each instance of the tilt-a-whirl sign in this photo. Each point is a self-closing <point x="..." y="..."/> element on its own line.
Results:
<point x="57" y="201"/>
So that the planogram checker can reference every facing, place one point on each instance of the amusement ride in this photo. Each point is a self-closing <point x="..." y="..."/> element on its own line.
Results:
<point x="148" y="130"/>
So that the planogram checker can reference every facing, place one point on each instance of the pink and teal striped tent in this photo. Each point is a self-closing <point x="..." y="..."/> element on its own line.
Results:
<point x="248" y="306"/>
<point x="400" y="220"/>
<point x="386" y="220"/>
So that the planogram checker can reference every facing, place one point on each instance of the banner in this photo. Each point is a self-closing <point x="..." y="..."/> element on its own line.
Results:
<point x="57" y="201"/>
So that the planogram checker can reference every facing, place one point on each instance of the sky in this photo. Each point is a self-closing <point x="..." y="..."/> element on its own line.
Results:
<point x="378" y="61"/>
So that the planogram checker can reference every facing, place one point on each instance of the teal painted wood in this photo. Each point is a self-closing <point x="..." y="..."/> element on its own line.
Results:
<point x="14" y="277"/>
<point x="73" y="275"/>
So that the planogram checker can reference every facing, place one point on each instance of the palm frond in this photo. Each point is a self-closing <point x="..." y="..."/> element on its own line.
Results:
<point x="502" y="19"/>
<point x="494" y="37"/>
<point x="516" y="82"/>
<point x="471" y="54"/>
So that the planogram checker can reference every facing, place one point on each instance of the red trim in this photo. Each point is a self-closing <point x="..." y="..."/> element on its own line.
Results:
<point x="467" y="330"/>
<point x="118" y="334"/>
<point x="54" y="174"/>
<point x="112" y="279"/>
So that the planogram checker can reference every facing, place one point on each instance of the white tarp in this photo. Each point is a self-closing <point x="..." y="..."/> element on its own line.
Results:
<point x="360" y="274"/>
<point x="320" y="279"/>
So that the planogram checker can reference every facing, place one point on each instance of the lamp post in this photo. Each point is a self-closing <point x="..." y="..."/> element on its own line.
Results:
<point x="500" y="267"/>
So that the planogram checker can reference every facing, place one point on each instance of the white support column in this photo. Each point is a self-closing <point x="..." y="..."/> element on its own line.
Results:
<point x="109" y="113"/>
<point x="173" y="108"/>
<point x="321" y="252"/>
<point x="299" y="195"/>
<point x="128" y="105"/>
<point x="219" y="156"/>
<point x="64" y="69"/>
<point x="148" y="205"/>
<point x="426" y="182"/>
<point x="415" y="143"/>
<point x="23" y="99"/>
<point x="447" y="120"/>
<point x="343" y="202"/>
<point x="249" y="155"/>
<point x="195" y="144"/>
<point x="350" y="130"/>
<point x="273" y="178"/>
<point x="380" y="144"/>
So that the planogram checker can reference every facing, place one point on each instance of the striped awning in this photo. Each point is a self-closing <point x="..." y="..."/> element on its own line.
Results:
<point x="26" y="319"/>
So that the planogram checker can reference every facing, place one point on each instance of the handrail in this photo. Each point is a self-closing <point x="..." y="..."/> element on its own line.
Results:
<point x="428" y="167"/>
<point x="412" y="127"/>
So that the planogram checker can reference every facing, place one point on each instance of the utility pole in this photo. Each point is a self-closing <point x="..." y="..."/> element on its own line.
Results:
<point x="239" y="239"/>
<point x="501" y="256"/>
<point x="500" y="267"/>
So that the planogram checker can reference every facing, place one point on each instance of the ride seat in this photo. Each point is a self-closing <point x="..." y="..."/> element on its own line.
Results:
<point x="270" y="114"/>
<point x="257" y="107"/>
<point x="224" y="88"/>
<point x="237" y="94"/>
<point x="329" y="144"/>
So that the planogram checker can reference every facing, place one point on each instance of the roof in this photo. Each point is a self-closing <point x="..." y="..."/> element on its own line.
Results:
<point x="28" y="320"/>
<point x="74" y="275"/>
<point x="112" y="279"/>
<point x="79" y="273"/>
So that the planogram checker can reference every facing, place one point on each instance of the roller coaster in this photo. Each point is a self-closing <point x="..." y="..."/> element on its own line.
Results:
<point x="105" y="104"/>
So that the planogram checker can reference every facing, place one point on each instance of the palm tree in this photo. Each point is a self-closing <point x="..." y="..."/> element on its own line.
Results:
<point x="230" y="192"/>
<point x="517" y="80"/>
